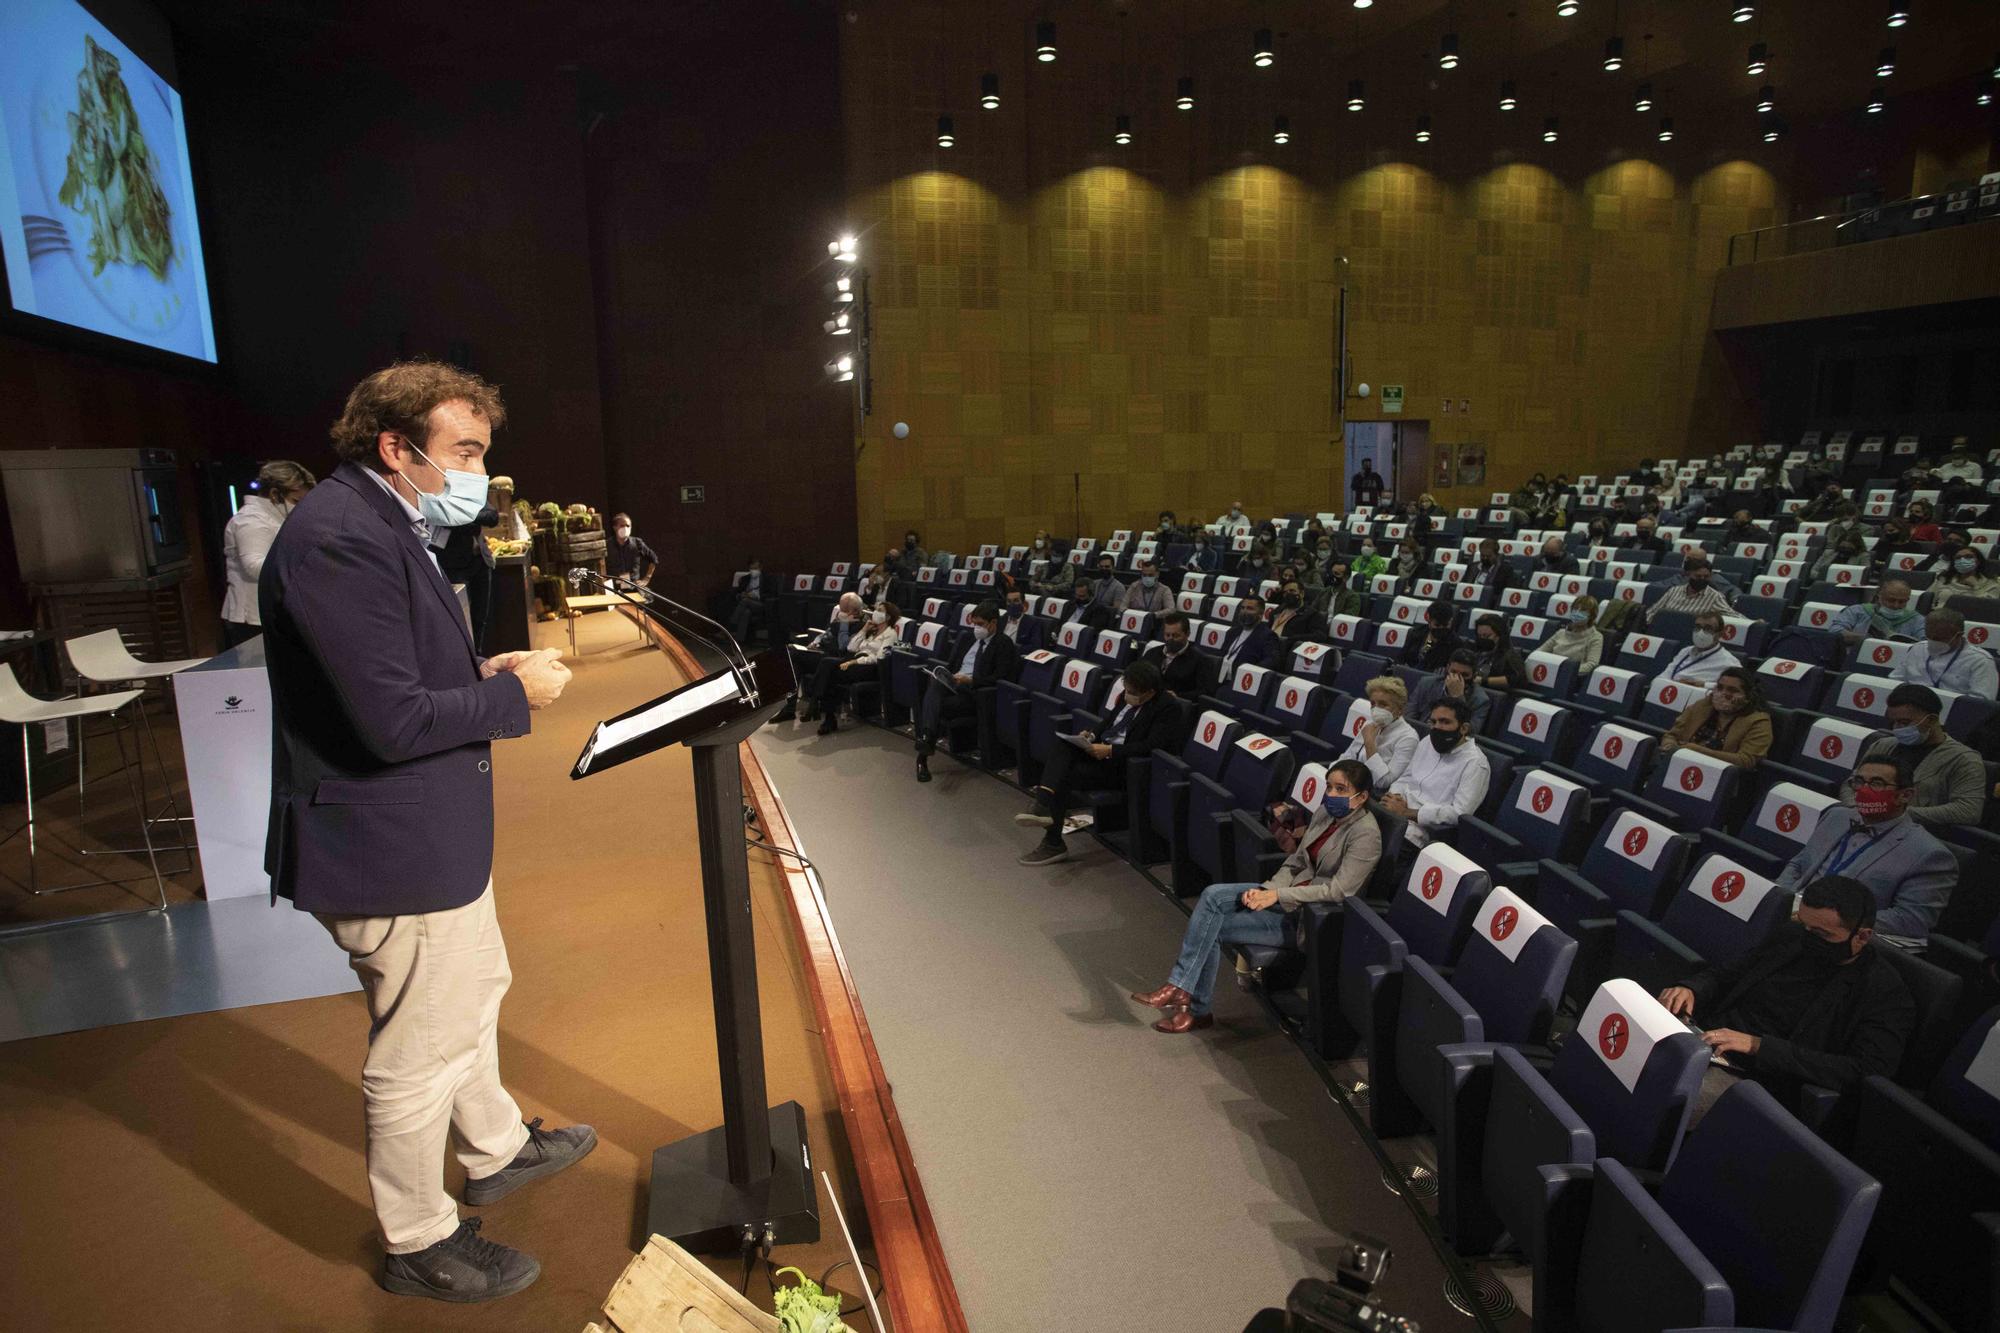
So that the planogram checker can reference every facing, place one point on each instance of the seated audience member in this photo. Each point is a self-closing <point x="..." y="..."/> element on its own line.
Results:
<point x="1648" y="542"/>
<point x="1876" y="842"/>
<point x="1168" y="530"/>
<point x="1409" y="561"/>
<point x="1458" y="679"/>
<point x="1953" y="540"/>
<point x="1814" y="1004"/>
<point x="1970" y="576"/>
<point x="1295" y="621"/>
<point x="1431" y="649"/>
<point x="1206" y="557"/>
<point x="1846" y="543"/>
<point x="1083" y="608"/>
<point x="1923" y="522"/>
<point x="1369" y="564"/>
<point x="1555" y="557"/>
<point x="1250" y="641"/>
<point x="1893" y="539"/>
<point x="1490" y="572"/>
<point x="912" y="557"/>
<point x="1578" y="639"/>
<point x="866" y="647"/>
<point x="1447" y="776"/>
<point x="1959" y="464"/>
<point x="1693" y="594"/>
<point x="989" y="657"/>
<point x="1945" y="661"/>
<point x="1827" y="504"/>
<point x="1703" y="661"/>
<point x="1236" y="520"/>
<point x="1597" y="532"/>
<point x="1017" y="624"/>
<point x="1256" y="566"/>
<point x="1387" y="743"/>
<point x="1497" y="663"/>
<point x="1949" y="778"/>
<point x="1149" y="594"/>
<point x="1179" y="661"/>
<point x="1144" y="721"/>
<point x="752" y="597"/>
<point x="1740" y="529"/>
<point x="875" y="587"/>
<point x="830" y="643"/>
<point x="1342" y="599"/>
<point x="1336" y="854"/>
<point x="1107" y="593"/>
<point x="1889" y="616"/>
<point x="1729" y="722"/>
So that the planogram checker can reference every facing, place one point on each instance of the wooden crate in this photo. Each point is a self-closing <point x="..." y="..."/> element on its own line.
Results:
<point x="668" y="1290"/>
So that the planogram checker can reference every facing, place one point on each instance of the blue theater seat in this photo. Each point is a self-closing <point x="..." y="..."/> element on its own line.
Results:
<point x="1633" y="863"/>
<point x="1256" y="769"/>
<point x="1540" y="816"/>
<point x="1722" y="910"/>
<point x="1165" y="778"/>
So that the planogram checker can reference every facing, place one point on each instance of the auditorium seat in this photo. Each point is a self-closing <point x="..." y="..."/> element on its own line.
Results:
<point x="1633" y="863"/>
<point x="1696" y="790"/>
<point x="1541" y="815"/>
<point x="1783" y="819"/>
<point x="1078" y="685"/>
<point x="1246" y="690"/>
<point x="1757" y="1224"/>
<point x="1254" y="772"/>
<point x="1613" y="757"/>
<point x="1791" y="683"/>
<point x="1295" y="704"/>
<point x="1036" y="674"/>
<point x="1620" y="1087"/>
<point x="1429" y="916"/>
<point x="1540" y="731"/>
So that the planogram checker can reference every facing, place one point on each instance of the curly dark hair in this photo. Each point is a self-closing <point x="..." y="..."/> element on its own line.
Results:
<point x="400" y="398"/>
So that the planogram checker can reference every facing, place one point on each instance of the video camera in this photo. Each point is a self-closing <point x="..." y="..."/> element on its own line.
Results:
<point x="1344" y="1305"/>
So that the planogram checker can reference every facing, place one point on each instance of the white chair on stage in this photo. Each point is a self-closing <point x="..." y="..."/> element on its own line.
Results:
<point x="102" y="661"/>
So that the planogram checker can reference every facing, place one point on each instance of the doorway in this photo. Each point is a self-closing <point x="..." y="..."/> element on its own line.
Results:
<point x="1400" y="451"/>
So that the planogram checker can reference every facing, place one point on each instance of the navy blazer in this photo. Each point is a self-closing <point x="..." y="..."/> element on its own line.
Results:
<point x="381" y="728"/>
<point x="1259" y="651"/>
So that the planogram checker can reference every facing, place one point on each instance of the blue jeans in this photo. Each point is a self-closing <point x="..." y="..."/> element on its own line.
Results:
<point x="1219" y="919"/>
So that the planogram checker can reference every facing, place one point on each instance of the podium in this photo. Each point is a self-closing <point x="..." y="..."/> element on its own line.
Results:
<point x="716" y="1191"/>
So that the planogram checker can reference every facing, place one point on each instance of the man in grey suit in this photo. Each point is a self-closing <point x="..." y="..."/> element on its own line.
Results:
<point x="1876" y="842"/>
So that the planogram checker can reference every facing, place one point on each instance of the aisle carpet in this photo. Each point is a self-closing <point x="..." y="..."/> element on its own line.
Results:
<point x="1085" y="1172"/>
<point x="205" y="1172"/>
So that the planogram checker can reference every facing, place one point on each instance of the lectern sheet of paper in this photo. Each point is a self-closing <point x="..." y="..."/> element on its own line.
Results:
<point x="682" y="703"/>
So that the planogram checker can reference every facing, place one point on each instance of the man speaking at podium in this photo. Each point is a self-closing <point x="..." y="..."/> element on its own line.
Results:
<point x="383" y="718"/>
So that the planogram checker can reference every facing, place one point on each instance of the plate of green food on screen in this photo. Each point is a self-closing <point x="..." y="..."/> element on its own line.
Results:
<point x="109" y="168"/>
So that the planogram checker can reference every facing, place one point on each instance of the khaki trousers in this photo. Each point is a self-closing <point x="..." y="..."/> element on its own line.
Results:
<point x="434" y="982"/>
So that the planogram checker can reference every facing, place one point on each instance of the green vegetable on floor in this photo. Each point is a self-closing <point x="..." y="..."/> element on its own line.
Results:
<point x="111" y="175"/>
<point x="805" y="1308"/>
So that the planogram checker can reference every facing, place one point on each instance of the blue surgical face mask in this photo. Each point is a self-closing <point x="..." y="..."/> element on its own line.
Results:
<point x="1578" y="618"/>
<point x="463" y="497"/>
<point x="1148" y="580"/>
<point x="1337" y="806"/>
<point x="1907" y="735"/>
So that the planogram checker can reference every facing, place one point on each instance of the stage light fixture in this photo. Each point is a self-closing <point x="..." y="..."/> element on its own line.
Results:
<point x="839" y="325"/>
<point x="1424" y="128"/>
<point x="1772" y="129"/>
<point x="1121" y="133"/>
<point x="1666" y="129"/>
<point x="1885" y="64"/>
<point x="1363" y="4"/>
<point x="1261" y="49"/>
<point x="989" y="91"/>
<point x="945" y="137"/>
<point x="1448" y="51"/>
<point x="1614" y="54"/>
<point x="1877" y="103"/>
<point x="1642" y="99"/>
<point x="1743" y="13"/>
<point x="1507" y="99"/>
<point x="840" y="370"/>
<point x="1356" y="96"/>
<point x="1549" y="130"/>
<point x="1567" y="8"/>
<point x="1185" y="100"/>
<point x="1767" y="99"/>
<point x="1045" y="41"/>
<point x="1281" y="130"/>
<point x="841" y="289"/>
<point x="843" y="250"/>
<point x="1760" y="59"/>
<point x="1898" y="15"/>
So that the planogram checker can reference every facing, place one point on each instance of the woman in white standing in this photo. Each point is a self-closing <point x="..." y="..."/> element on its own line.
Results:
<point x="247" y="539"/>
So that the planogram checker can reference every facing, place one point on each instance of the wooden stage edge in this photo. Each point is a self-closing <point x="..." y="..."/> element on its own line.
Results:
<point x="916" y="1280"/>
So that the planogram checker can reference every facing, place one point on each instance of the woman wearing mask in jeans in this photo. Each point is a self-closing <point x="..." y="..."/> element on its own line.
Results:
<point x="247" y="538"/>
<point x="1579" y="640"/>
<point x="1968" y="578"/>
<point x="865" y="647"/>
<point x="1730" y="724"/>
<point x="1385" y="742"/>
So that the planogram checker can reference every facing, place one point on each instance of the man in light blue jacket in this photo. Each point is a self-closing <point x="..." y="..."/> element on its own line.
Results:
<point x="1876" y="842"/>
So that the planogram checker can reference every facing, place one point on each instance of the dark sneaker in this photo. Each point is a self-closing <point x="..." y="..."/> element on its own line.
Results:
<point x="785" y="714"/>
<point x="1038" y="817"/>
<point x="463" y="1267"/>
<point x="1045" y="854"/>
<point x="548" y="1151"/>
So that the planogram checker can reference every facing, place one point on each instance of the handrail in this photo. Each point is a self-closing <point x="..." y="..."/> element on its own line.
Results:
<point x="1824" y="232"/>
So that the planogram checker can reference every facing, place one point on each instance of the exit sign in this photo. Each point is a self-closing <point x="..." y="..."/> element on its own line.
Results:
<point x="693" y="495"/>
<point x="1392" y="398"/>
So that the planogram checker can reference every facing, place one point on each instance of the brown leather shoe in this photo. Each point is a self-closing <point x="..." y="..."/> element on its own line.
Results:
<point x="1166" y="997"/>
<point x="1182" y="1019"/>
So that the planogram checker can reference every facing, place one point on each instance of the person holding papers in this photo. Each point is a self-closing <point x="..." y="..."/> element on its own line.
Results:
<point x="1145" y="720"/>
<point x="989" y="657"/>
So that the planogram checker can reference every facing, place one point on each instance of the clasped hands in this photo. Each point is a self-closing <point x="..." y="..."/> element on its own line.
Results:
<point x="540" y="671"/>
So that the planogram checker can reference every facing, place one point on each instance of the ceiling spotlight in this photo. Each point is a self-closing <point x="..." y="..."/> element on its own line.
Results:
<point x="1260" y="49"/>
<point x="1549" y="130"/>
<point x="1424" y="128"/>
<point x="1185" y="101"/>
<point x="1642" y="100"/>
<point x="840" y="370"/>
<point x="1772" y="129"/>
<point x="1743" y="13"/>
<point x="1614" y="54"/>
<point x="1045" y="41"/>
<point x="842" y="289"/>
<point x="989" y="91"/>
<point x="1363" y="4"/>
<point x="1983" y="94"/>
<point x="1877" y="104"/>
<point x="1767" y="99"/>
<point x="1666" y="129"/>
<point x="843" y="250"/>
<point x="1355" y="97"/>
<point x="1281" y="131"/>
<point x="1121" y="133"/>
<point x="1759" y="59"/>
<point x="838" y="325"/>
<point x="945" y="139"/>
<point x="1448" y="51"/>
<point x="1567" y="8"/>
<point x="1898" y="15"/>
<point x="1507" y="99"/>
<point x="1885" y="64"/>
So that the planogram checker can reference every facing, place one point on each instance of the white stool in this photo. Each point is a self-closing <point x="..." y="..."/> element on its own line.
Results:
<point x="102" y="660"/>
<point x="24" y="710"/>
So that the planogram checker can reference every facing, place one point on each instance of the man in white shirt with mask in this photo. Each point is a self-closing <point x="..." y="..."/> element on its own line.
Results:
<point x="1447" y="777"/>
<point x="1702" y="662"/>
<point x="1236" y="520"/>
<point x="1945" y="661"/>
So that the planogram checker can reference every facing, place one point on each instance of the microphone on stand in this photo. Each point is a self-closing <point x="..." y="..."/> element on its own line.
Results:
<point x="733" y="656"/>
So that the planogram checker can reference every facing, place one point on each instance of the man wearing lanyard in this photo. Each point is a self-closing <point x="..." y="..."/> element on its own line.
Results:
<point x="989" y="656"/>
<point x="1876" y="842"/>
<point x="1251" y="642"/>
<point x="1945" y="661"/>
<point x="1704" y="662"/>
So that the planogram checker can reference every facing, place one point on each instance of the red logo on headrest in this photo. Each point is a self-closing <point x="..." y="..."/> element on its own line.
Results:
<point x="1246" y="682"/>
<point x="1864" y="697"/>
<point x="1845" y="576"/>
<point x="1635" y="841"/>
<point x="1530" y="723"/>
<point x="1669" y="693"/>
<point x="1628" y="594"/>
<point x="1612" y="1035"/>
<point x="1262" y="742"/>
<point x="1311" y="788"/>
<point x="1292" y="697"/>
<point x="1360" y="721"/>
<point x="1727" y="885"/>
<point x="1788" y="818"/>
<point x="1884" y="653"/>
<point x="1976" y="634"/>
<point x="1074" y="677"/>
<point x="1831" y="747"/>
<point x="1402" y="613"/>
<point x="1541" y="672"/>
<point x="1609" y="685"/>
<point x="1208" y="733"/>
<point x="1819" y="617"/>
<point x="1542" y="582"/>
<point x="1691" y="777"/>
<point x="1543" y="798"/>
<point x="1642" y="644"/>
<point x="1504" y="922"/>
<point x="1786" y="668"/>
<point x="1433" y="882"/>
<point x="1614" y="746"/>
